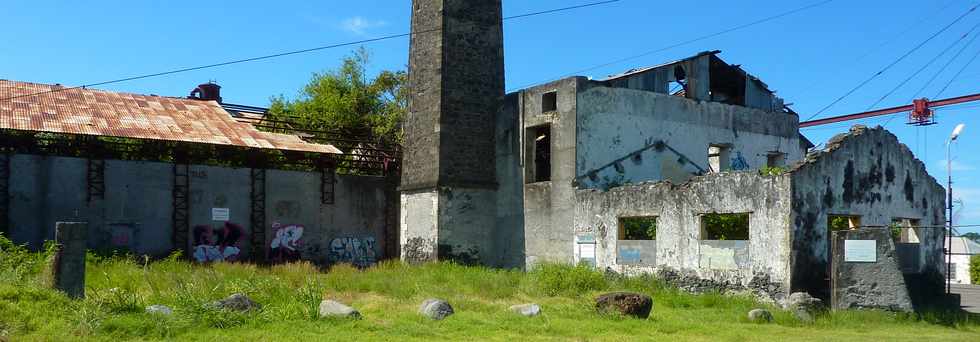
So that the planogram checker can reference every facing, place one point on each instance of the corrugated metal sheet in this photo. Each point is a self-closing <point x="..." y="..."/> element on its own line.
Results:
<point x="97" y="112"/>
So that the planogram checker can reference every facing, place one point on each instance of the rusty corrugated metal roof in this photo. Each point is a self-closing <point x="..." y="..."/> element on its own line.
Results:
<point x="98" y="112"/>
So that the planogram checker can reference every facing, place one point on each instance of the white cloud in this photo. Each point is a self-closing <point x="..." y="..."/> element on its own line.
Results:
<point x="955" y="165"/>
<point x="359" y="25"/>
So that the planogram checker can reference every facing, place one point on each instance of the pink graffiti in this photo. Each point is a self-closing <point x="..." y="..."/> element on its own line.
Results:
<point x="285" y="247"/>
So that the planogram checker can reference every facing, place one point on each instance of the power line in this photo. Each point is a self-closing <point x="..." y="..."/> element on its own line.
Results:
<point x="958" y="73"/>
<point x="888" y="41"/>
<point x="889" y="66"/>
<point x="712" y="35"/>
<point x="295" y="52"/>
<point x="956" y="56"/>
<point x="924" y="67"/>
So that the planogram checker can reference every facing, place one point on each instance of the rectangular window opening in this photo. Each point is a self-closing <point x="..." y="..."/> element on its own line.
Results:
<point x="725" y="226"/>
<point x="843" y="222"/>
<point x="719" y="157"/>
<point x="776" y="159"/>
<point x="638" y="228"/>
<point x="905" y="230"/>
<point x="549" y="102"/>
<point x="538" y="154"/>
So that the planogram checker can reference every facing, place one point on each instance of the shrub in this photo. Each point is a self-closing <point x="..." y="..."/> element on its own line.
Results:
<point x="975" y="269"/>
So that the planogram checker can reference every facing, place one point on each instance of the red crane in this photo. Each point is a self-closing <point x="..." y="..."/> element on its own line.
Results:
<point x="920" y="111"/>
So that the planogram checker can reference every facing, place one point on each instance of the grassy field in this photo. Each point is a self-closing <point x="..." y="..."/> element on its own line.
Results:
<point x="388" y="296"/>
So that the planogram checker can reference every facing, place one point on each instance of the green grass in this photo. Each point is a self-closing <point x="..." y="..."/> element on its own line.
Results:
<point x="388" y="296"/>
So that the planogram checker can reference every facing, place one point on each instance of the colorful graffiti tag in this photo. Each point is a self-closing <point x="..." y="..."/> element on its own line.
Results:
<point x="286" y="244"/>
<point x="358" y="252"/>
<point x="217" y="245"/>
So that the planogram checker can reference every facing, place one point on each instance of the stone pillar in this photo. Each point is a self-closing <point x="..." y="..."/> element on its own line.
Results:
<point x="456" y="87"/>
<point x="69" y="259"/>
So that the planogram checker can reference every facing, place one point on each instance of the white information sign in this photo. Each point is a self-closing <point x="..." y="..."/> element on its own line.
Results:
<point x="220" y="214"/>
<point x="860" y="251"/>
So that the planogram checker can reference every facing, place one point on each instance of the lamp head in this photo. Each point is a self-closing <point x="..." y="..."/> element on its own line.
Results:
<point x="956" y="132"/>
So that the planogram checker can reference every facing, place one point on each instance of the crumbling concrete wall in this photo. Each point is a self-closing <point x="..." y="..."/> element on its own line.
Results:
<point x="876" y="284"/>
<point x="135" y="214"/>
<point x="764" y="257"/>
<point x="549" y="206"/>
<point x="630" y="136"/>
<point x="867" y="173"/>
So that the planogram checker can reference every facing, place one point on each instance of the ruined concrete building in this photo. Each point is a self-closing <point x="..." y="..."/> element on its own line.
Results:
<point x="692" y="168"/>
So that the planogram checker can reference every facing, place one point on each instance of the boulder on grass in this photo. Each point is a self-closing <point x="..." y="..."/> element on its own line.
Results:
<point x="625" y="303"/>
<point x="159" y="310"/>
<point x="436" y="309"/>
<point x="529" y="310"/>
<point x="803" y="305"/>
<point x="760" y="316"/>
<point x="237" y="302"/>
<point x="330" y="308"/>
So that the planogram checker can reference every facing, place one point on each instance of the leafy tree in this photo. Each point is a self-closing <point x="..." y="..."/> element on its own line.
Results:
<point x="345" y="104"/>
<point x="725" y="226"/>
<point x="639" y="228"/>
<point x="975" y="269"/>
<point x="972" y="236"/>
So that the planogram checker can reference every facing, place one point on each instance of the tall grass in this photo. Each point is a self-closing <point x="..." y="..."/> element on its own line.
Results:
<point x="119" y="288"/>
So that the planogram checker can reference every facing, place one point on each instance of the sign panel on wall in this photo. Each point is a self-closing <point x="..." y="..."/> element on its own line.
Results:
<point x="220" y="214"/>
<point x="860" y="251"/>
<point x="585" y="248"/>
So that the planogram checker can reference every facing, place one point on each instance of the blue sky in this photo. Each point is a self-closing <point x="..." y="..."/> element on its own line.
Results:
<point x="810" y="58"/>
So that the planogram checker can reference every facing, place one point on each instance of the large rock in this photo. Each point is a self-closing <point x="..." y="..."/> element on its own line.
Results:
<point x="237" y="302"/>
<point x="330" y="308"/>
<point x="803" y="305"/>
<point x="625" y="303"/>
<point x="528" y="310"/>
<point x="760" y="316"/>
<point x="159" y="310"/>
<point x="436" y="309"/>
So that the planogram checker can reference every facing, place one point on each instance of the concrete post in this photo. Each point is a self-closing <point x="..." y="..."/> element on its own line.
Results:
<point x="69" y="260"/>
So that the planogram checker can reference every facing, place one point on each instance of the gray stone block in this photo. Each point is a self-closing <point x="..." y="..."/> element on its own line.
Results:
<point x="330" y="308"/>
<point x="69" y="260"/>
<point x="436" y="309"/>
<point x="529" y="310"/>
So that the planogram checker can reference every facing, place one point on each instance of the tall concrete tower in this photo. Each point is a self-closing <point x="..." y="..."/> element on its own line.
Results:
<point x="456" y="80"/>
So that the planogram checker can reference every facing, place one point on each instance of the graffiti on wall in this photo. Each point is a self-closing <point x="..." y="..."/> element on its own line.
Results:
<point x="285" y="246"/>
<point x="122" y="236"/>
<point x="217" y="245"/>
<point x="739" y="163"/>
<point x="358" y="252"/>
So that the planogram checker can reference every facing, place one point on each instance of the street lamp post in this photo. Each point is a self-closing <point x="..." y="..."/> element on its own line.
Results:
<point x="949" y="205"/>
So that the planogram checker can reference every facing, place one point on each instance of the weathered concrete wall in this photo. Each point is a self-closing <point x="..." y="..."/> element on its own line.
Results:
<point x="219" y="187"/>
<point x="449" y="224"/>
<point x="630" y="136"/>
<point x="868" y="285"/>
<point x="509" y="233"/>
<point x="865" y="173"/>
<point x="45" y="190"/>
<point x="136" y="213"/>
<point x="549" y="206"/>
<point x="678" y="208"/>
<point x="137" y="209"/>
<point x="419" y="226"/>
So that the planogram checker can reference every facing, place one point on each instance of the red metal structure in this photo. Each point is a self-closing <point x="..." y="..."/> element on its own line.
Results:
<point x="920" y="111"/>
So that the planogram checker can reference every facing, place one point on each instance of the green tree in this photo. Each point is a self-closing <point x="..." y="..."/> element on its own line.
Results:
<point x="972" y="236"/>
<point x="346" y="104"/>
<point x="975" y="269"/>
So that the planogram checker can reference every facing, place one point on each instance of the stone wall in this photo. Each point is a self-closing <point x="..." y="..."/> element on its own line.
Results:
<point x="679" y="245"/>
<point x="866" y="173"/>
